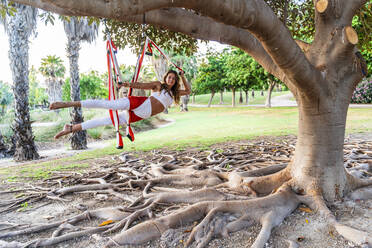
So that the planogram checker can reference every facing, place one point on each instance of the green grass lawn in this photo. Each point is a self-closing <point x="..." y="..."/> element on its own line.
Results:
<point x="200" y="127"/>
<point x="227" y="98"/>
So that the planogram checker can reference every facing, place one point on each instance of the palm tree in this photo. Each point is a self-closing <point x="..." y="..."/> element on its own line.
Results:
<point x="53" y="69"/>
<point x="19" y="28"/>
<point x="77" y="30"/>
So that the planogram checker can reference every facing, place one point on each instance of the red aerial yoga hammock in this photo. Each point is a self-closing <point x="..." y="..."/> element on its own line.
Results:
<point x="115" y="78"/>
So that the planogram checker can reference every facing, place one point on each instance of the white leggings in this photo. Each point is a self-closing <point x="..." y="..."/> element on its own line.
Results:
<point x="119" y="104"/>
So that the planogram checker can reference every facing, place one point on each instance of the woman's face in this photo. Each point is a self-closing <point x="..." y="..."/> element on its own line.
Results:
<point x="170" y="80"/>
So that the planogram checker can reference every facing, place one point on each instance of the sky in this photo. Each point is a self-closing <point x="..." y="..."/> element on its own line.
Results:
<point x="51" y="40"/>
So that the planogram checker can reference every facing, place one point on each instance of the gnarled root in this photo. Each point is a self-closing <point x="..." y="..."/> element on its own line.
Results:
<point x="166" y="197"/>
<point x="113" y="214"/>
<point x="354" y="235"/>
<point x="269" y="211"/>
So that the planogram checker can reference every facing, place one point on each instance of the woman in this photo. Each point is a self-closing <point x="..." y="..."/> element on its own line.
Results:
<point x="162" y="96"/>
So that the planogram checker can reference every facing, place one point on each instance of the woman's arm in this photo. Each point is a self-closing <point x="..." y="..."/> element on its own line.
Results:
<point x="187" y="89"/>
<point x="145" y="86"/>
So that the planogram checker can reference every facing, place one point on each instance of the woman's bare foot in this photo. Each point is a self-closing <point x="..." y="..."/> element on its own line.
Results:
<point x="66" y="130"/>
<point x="57" y="105"/>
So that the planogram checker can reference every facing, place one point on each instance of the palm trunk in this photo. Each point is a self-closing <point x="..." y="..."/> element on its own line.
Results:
<point x="25" y="148"/>
<point x="233" y="97"/>
<point x="221" y="97"/>
<point x="78" y="139"/>
<point x="269" y="92"/>
<point x="210" y="99"/>
<point x="3" y="148"/>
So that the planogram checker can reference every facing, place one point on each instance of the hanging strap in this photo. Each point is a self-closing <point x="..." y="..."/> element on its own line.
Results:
<point x="114" y="76"/>
<point x="162" y="53"/>
<point x="146" y="46"/>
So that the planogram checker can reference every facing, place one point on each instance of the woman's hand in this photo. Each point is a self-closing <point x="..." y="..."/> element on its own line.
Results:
<point x="182" y="73"/>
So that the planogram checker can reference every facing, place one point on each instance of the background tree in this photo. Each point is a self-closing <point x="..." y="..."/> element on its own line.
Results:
<point x="239" y="72"/>
<point x="77" y="30"/>
<point x="272" y="82"/>
<point x="38" y="95"/>
<point x="53" y="70"/>
<point x="92" y="86"/>
<point x="210" y="76"/>
<point x="6" y="97"/>
<point x="322" y="73"/>
<point x="19" y="27"/>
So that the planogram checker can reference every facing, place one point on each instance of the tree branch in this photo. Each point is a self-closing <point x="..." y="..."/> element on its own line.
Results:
<point x="326" y="11"/>
<point x="46" y="6"/>
<point x="204" y="28"/>
<point x="253" y="15"/>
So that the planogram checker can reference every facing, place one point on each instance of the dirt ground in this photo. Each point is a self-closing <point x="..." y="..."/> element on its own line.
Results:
<point x="305" y="227"/>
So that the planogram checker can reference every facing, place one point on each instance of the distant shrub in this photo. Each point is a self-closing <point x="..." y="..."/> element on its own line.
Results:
<point x="363" y="93"/>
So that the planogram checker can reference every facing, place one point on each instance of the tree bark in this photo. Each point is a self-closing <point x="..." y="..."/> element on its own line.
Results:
<point x="3" y="147"/>
<point x="240" y="96"/>
<point x="269" y="92"/>
<point x="19" y="33"/>
<point x="246" y="97"/>
<point x="210" y="99"/>
<point x="78" y="139"/>
<point x="233" y="97"/>
<point x="221" y="97"/>
<point x="318" y="162"/>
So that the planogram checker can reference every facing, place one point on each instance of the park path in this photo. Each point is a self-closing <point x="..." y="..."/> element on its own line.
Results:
<point x="277" y="101"/>
<point x="283" y="101"/>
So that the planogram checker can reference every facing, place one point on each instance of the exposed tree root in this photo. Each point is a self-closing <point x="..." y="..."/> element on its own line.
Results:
<point x="356" y="236"/>
<point x="229" y="189"/>
<point x="269" y="211"/>
<point x="114" y="214"/>
<point x="166" y="197"/>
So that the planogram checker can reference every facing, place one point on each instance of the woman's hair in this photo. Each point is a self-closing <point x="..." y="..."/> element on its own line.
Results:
<point x="174" y="91"/>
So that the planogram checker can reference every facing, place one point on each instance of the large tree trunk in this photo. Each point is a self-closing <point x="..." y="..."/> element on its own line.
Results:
<point x="319" y="160"/>
<point x="78" y="139"/>
<point x="18" y="56"/>
<point x="210" y="99"/>
<point x="221" y="97"/>
<point x="233" y="97"/>
<point x="269" y="91"/>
